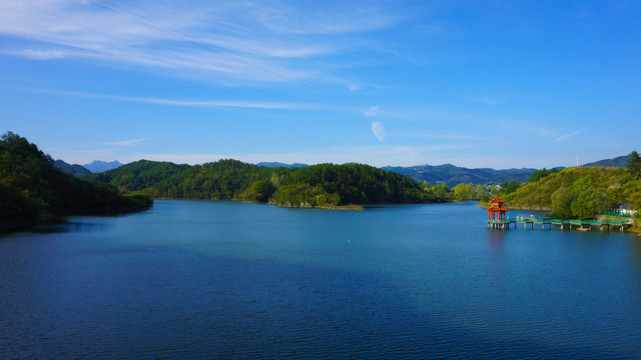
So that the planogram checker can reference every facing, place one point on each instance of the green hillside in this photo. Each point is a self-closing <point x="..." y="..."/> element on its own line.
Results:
<point x="578" y="192"/>
<point x="139" y="175"/>
<point x="31" y="186"/>
<point x="323" y="185"/>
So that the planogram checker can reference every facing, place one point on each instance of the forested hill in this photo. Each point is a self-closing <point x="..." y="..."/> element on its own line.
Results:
<point x="578" y="192"/>
<point x="323" y="185"/>
<point x="452" y="175"/>
<point x="139" y="175"/>
<point x="31" y="186"/>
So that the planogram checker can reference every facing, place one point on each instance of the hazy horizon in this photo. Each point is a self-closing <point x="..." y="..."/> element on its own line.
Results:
<point x="307" y="164"/>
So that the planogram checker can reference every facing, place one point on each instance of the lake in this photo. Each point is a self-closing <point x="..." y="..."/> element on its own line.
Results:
<point x="201" y="280"/>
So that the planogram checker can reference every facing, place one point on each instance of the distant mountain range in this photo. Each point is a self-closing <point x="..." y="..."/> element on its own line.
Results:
<point x="452" y="175"/>
<point x="279" y="164"/>
<point x="620" y="161"/>
<point x="98" y="166"/>
<point x="95" y="167"/>
<point x="448" y="174"/>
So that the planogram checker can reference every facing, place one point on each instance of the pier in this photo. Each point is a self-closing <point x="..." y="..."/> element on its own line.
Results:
<point x="583" y="225"/>
<point x="497" y="219"/>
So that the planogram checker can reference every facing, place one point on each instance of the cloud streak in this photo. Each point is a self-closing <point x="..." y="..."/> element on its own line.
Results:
<point x="373" y="111"/>
<point x="187" y="103"/>
<point x="567" y="136"/>
<point x="128" y="142"/>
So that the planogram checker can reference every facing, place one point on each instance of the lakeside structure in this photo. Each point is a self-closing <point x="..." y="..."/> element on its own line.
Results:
<point x="497" y="219"/>
<point x="496" y="211"/>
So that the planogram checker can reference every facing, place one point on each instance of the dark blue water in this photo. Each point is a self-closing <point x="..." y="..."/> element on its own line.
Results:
<point x="232" y="280"/>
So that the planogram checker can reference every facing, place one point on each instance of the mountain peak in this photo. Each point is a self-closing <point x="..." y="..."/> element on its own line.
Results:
<point x="98" y="166"/>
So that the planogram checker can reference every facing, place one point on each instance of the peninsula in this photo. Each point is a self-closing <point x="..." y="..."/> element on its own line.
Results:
<point x="32" y="188"/>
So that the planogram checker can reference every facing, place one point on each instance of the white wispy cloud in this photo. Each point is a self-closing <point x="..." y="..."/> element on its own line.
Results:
<point x="260" y="41"/>
<point x="567" y="136"/>
<point x="373" y="111"/>
<point x="128" y="142"/>
<point x="378" y="130"/>
<point x="187" y="103"/>
<point x="341" y="18"/>
<point x="41" y="54"/>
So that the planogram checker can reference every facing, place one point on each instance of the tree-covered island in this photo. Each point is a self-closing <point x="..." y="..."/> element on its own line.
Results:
<point x="31" y="187"/>
<point x="323" y="185"/>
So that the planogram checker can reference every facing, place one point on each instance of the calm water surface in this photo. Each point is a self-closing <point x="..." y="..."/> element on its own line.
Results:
<point x="196" y="279"/>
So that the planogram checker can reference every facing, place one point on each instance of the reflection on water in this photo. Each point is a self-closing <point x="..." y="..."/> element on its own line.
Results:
<point x="495" y="241"/>
<point x="635" y="255"/>
<point x="63" y="226"/>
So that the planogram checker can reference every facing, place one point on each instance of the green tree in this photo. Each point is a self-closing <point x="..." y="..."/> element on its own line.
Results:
<point x="508" y="187"/>
<point x="459" y="192"/>
<point x="562" y="203"/>
<point x="634" y="164"/>
<point x="540" y="174"/>
<point x="481" y="192"/>
<point x="588" y="199"/>
<point x="464" y="192"/>
<point x="635" y="200"/>
<point x="588" y="202"/>
<point x="441" y="191"/>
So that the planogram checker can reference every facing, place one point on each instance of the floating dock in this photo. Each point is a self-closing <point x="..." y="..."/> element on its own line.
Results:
<point x="584" y="225"/>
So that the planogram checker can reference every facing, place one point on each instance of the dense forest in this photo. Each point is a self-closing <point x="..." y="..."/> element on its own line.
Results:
<point x="30" y="186"/>
<point x="580" y="192"/>
<point x="323" y="185"/>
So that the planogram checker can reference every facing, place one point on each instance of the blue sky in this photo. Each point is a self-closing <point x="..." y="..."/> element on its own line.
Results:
<point x="496" y="84"/>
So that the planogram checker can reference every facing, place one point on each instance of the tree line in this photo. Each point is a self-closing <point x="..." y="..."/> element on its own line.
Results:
<point x="314" y="186"/>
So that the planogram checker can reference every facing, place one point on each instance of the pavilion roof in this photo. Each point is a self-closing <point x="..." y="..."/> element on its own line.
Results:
<point x="496" y="200"/>
<point x="496" y="208"/>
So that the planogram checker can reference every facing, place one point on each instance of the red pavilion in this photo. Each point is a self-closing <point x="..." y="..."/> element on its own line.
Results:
<point x="496" y="211"/>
